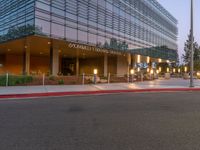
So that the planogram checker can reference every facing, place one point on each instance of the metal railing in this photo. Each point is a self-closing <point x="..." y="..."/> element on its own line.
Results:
<point x="24" y="80"/>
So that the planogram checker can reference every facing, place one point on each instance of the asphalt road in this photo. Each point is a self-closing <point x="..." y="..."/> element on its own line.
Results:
<point x="153" y="121"/>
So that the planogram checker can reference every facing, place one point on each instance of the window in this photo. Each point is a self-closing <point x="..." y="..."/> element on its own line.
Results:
<point x="71" y="33"/>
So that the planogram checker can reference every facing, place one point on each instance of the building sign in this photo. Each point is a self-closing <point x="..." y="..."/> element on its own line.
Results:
<point x="92" y="48"/>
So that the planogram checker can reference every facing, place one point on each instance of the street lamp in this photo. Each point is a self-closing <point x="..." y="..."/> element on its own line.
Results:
<point x="179" y="70"/>
<point x="160" y="69"/>
<point x="185" y="69"/>
<point x="174" y="70"/>
<point x="192" y="56"/>
<point x="167" y="70"/>
<point x="95" y="76"/>
<point x="132" y="74"/>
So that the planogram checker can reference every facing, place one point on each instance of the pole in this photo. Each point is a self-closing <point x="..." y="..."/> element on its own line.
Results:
<point x="108" y="78"/>
<point x="83" y="79"/>
<point x="6" y="79"/>
<point x="191" y="48"/>
<point x="43" y="79"/>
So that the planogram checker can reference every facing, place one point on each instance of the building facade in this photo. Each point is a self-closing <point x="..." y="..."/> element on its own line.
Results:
<point x="74" y="36"/>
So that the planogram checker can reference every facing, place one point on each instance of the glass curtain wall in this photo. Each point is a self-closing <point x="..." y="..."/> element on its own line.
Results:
<point x="126" y="25"/>
<point x="16" y="19"/>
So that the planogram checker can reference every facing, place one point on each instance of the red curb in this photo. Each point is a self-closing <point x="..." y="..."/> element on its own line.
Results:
<point x="52" y="94"/>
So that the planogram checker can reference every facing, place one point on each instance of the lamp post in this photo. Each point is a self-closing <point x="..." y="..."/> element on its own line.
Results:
<point x="132" y="74"/>
<point x="191" y="49"/>
<point x="95" y="76"/>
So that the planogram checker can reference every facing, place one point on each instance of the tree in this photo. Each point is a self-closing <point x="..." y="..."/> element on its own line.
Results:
<point x="187" y="55"/>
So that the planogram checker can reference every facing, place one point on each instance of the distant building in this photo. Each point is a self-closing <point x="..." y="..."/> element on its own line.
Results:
<point x="72" y="37"/>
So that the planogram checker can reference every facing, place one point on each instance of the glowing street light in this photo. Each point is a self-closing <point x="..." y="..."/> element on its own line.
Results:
<point x="95" y="75"/>
<point x="148" y="70"/>
<point x="159" y="60"/>
<point x="160" y="69"/>
<point x="132" y="71"/>
<point x="132" y="74"/>
<point x="151" y="72"/>
<point x="148" y="60"/>
<point x="179" y="70"/>
<point x="185" y="69"/>
<point x="174" y="70"/>
<point x="138" y="69"/>
<point x="167" y="70"/>
<point x="95" y="71"/>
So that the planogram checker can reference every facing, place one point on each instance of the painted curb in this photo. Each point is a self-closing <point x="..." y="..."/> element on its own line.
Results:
<point x="54" y="94"/>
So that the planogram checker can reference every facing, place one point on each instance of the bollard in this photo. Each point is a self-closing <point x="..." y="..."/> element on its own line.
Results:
<point x="132" y="78"/>
<point x="142" y="77"/>
<point x="83" y="79"/>
<point x="95" y="78"/>
<point x="43" y="79"/>
<point x="6" y="79"/>
<point x="108" y="78"/>
<point x="128" y="78"/>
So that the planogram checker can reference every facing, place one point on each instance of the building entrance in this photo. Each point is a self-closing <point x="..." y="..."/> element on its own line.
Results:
<point x="68" y="66"/>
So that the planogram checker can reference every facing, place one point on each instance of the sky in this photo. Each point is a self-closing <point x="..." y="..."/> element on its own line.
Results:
<point x="180" y="9"/>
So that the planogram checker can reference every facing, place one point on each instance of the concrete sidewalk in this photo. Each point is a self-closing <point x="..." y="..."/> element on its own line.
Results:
<point x="157" y="84"/>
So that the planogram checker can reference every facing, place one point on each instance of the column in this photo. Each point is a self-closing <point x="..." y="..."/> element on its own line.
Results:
<point x="54" y="61"/>
<point x="77" y="66"/>
<point x="105" y="65"/>
<point x="129" y="62"/>
<point x="26" y="61"/>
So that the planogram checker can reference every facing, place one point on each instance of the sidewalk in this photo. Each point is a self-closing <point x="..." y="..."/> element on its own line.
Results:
<point x="157" y="85"/>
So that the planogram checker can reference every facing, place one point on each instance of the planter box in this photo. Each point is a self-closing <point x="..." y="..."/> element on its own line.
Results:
<point x="167" y="76"/>
<point x="186" y="76"/>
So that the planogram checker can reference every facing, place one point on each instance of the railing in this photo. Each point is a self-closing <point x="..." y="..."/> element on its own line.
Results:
<point x="24" y="80"/>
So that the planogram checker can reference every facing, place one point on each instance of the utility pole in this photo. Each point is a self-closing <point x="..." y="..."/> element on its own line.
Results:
<point x="191" y="49"/>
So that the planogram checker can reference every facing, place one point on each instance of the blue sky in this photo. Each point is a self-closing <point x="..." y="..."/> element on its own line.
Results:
<point x="180" y="9"/>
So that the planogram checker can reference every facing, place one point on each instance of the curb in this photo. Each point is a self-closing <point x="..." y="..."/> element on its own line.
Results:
<point x="54" y="94"/>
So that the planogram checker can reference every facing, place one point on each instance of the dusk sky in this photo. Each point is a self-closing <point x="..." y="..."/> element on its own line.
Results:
<point x="180" y="9"/>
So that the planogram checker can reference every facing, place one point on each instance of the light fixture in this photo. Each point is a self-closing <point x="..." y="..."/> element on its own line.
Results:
<point x="185" y="69"/>
<point x="148" y="69"/>
<point x="138" y="69"/>
<point x="160" y="69"/>
<point x="95" y="71"/>
<point x="151" y="72"/>
<point x="132" y="71"/>
<point x="179" y="70"/>
<point x="138" y="58"/>
<point x="157" y="71"/>
<point x="49" y="43"/>
<point x="167" y="70"/>
<point x="148" y="59"/>
<point x="174" y="70"/>
<point x="159" y="60"/>
<point x="168" y="61"/>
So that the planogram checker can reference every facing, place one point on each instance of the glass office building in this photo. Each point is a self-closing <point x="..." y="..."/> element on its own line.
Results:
<point x="73" y="34"/>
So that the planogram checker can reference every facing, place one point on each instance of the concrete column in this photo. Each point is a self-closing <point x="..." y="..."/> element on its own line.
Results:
<point x="55" y="62"/>
<point x="128" y="62"/>
<point x="122" y="66"/>
<point x="105" y="65"/>
<point x="77" y="66"/>
<point x="26" y="61"/>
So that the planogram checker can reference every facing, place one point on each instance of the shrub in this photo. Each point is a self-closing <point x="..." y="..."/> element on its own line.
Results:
<point x="3" y="80"/>
<point x="61" y="82"/>
<point x="52" y="78"/>
<point x="15" y="80"/>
